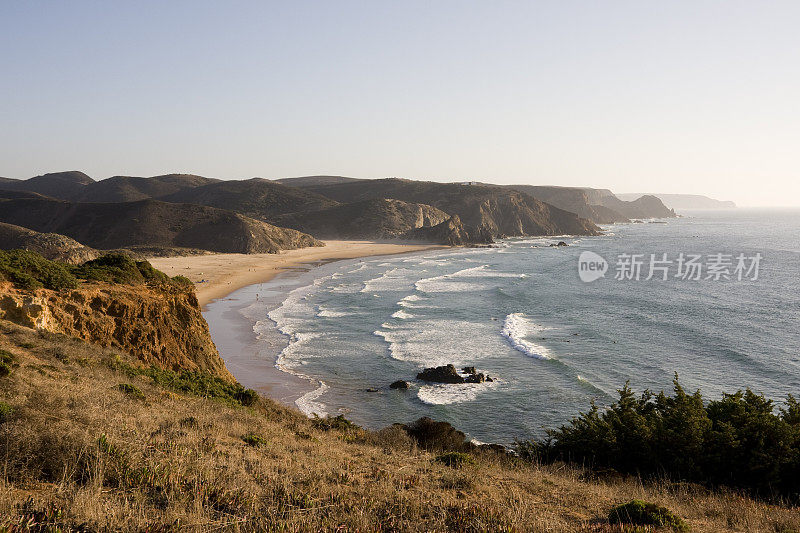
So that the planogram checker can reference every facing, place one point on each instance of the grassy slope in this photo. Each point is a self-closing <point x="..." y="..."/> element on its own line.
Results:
<point x="78" y="447"/>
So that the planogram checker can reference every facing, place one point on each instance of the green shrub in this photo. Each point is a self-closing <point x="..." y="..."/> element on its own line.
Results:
<point x="29" y="270"/>
<point x="189" y="382"/>
<point x="739" y="440"/>
<point x="5" y="412"/>
<point x="182" y="282"/>
<point x="246" y="397"/>
<point x="640" y="513"/>
<point x="455" y="459"/>
<point x="254" y="440"/>
<point x="338" y="423"/>
<point x="131" y="390"/>
<point x="434" y="435"/>
<point x="5" y="370"/>
<point x="119" y="268"/>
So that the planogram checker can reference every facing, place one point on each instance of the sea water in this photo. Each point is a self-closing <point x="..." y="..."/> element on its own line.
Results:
<point x="520" y="313"/>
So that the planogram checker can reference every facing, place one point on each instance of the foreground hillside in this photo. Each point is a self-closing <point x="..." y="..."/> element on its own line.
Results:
<point x="96" y="436"/>
<point x="87" y="441"/>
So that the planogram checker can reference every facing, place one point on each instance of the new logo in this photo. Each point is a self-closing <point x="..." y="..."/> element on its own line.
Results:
<point x="591" y="266"/>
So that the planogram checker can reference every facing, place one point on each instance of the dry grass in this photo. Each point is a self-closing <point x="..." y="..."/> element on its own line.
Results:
<point x="78" y="451"/>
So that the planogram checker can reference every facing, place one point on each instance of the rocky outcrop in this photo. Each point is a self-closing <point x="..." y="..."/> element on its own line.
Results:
<point x="449" y="374"/>
<point x="646" y="206"/>
<point x="160" y="325"/>
<point x="451" y="232"/>
<point x="51" y="246"/>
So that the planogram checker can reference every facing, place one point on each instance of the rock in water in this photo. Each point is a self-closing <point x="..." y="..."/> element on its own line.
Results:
<point x="475" y="378"/>
<point x="399" y="384"/>
<point x="441" y="374"/>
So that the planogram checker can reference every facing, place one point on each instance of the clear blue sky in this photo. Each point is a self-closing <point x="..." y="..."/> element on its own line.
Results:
<point x="635" y="96"/>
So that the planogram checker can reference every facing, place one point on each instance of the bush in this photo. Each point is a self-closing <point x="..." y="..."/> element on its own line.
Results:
<point x="131" y="390"/>
<point x="119" y="268"/>
<point x="338" y="423"/>
<point x="739" y="440"/>
<point x="28" y="270"/>
<point x="190" y="382"/>
<point x="254" y="440"/>
<point x="640" y="513"/>
<point x="455" y="459"/>
<point x="432" y="435"/>
<point x="6" y="363"/>
<point x="5" y="412"/>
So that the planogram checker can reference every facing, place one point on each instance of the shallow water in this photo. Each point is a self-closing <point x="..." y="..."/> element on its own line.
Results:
<point x="521" y="314"/>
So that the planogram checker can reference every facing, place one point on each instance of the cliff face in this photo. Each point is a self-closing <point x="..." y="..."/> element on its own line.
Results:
<point x="160" y="326"/>
<point x="369" y="219"/>
<point x="451" y="232"/>
<point x="572" y="199"/>
<point x="502" y="211"/>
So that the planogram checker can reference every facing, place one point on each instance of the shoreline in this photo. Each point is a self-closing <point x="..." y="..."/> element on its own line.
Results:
<point x="218" y="275"/>
<point x="250" y="355"/>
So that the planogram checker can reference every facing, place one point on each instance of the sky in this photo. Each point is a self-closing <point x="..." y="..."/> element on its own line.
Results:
<point x="636" y="96"/>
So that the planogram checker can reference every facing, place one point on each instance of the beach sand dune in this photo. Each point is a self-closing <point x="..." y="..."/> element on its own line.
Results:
<point x="216" y="275"/>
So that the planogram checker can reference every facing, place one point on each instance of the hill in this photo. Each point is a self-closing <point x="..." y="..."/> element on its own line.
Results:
<point x="307" y="181"/>
<point x="62" y="185"/>
<point x="682" y="201"/>
<point x="643" y="207"/>
<point x="131" y="189"/>
<point x="365" y="220"/>
<point x="258" y="198"/>
<point x="50" y="245"/>
<point x="572" y="199"/>
<point x="152" y="223"/>
<point x="501" y="211"/>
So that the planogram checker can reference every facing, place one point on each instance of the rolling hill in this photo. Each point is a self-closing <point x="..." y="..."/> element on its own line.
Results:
<point x="51" y="246"/>
<point x="152" y="223"/>
<point x="63" y="185"/>
<point x="257" y="198"/>
<point x="131" y="189"/>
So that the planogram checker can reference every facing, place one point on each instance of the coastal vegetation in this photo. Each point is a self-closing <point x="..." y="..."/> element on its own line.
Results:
<point x="79" y="454"/>
<point x="742" y="440"/>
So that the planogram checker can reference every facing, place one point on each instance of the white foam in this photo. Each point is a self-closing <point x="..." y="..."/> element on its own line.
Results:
<point x="307" y="402"/>
<point x="361" y="267"/>
<point x="452" y="282"/>
<point x="392" y="280"/>
<point x="449" y="394"/>
<point x="325" y="312"/>
<point x="402" y="314"/>
<point x="516" y="328"/>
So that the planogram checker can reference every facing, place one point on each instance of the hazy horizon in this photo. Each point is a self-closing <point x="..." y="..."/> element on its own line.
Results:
<point x="685" y="97"/>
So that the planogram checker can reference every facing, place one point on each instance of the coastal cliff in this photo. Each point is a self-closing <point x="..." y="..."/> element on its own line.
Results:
<point x="160" y="326"/>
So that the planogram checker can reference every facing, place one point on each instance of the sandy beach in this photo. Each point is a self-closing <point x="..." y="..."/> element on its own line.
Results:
<point x="217" y="275"/>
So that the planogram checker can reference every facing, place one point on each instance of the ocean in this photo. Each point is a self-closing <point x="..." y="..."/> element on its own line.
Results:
<point x="520" y="313"/>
